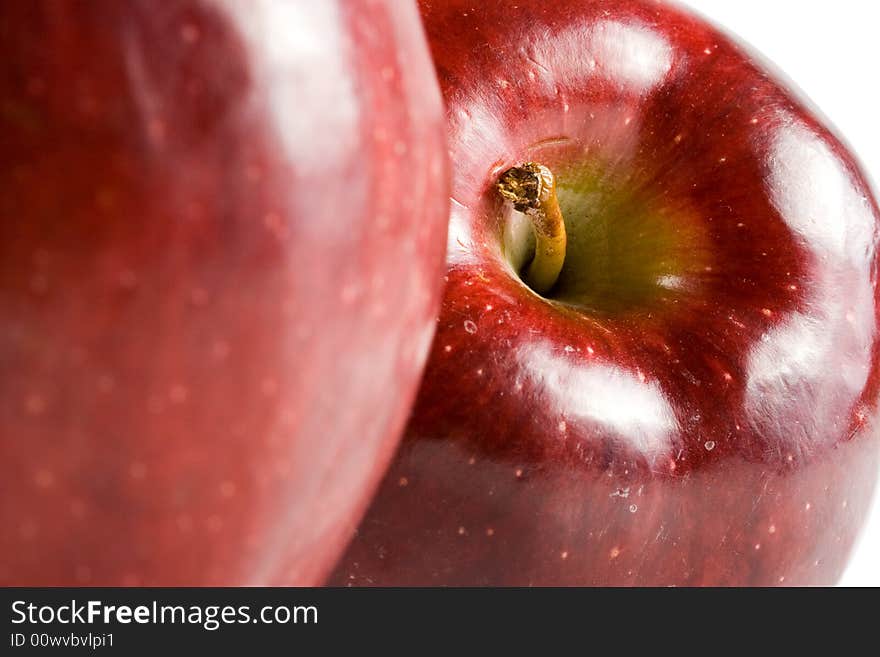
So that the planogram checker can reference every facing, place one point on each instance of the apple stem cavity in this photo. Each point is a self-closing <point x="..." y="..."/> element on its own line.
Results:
<point x="531" y="188"/>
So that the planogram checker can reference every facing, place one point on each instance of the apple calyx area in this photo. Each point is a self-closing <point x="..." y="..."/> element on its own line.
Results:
<point x="531" y="188"/>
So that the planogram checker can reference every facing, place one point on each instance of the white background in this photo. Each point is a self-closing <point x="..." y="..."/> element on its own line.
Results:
<point x="831" y="51"/>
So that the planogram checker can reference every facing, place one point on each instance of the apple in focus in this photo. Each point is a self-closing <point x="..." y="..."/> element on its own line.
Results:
<point x="693" y="399"/>
<point x="221" y="253"/>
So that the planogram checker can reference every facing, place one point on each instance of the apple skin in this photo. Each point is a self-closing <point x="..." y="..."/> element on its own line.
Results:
<point x="221" y="258"/>
<point x="703" y="409"/>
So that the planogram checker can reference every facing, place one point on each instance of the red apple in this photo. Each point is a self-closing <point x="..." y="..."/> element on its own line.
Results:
<point x="220" y="259"/>
<point x="695" y="400"/>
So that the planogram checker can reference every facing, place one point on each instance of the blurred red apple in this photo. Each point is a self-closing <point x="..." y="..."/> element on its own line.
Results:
<point x="220" y="259"/>
<point x="694" y="400"/>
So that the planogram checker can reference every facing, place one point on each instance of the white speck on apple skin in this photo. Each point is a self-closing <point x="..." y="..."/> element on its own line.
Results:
<point x="184" y="523"/>
<point x="44" y="478"/>
<point x="178" y="393"/>
<point x="106" y="384"/>
<point x="189" y="33"/>
<point x="470" y="327"/>
<point x="348" y="294"/>
<point x="34" y="404"/>
<point x="157" y="130"/>
<point x="199" y="297"/>
<point x="131" y="580"/>
<point x="83" y="574"/>
<point x="220" y="350"/>
<point x="28" y="530"/>
<point x="77" y="509"/>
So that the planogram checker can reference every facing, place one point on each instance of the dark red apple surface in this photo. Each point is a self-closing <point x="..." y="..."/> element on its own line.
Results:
<point x="695" y="401"/>
<point x="221" y="253"/>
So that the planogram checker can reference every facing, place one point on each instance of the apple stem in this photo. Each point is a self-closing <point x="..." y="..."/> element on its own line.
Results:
<point x="531" y="188"/>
